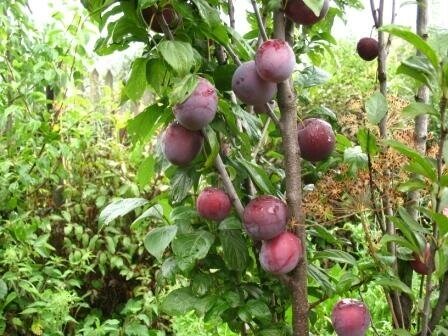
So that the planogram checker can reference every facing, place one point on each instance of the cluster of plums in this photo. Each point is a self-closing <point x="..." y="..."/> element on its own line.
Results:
<point x="265" y="217"/>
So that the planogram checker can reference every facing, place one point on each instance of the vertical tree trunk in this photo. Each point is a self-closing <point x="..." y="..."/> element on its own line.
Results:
<point x="288" y="108"/>
<point x="420" y="135"/>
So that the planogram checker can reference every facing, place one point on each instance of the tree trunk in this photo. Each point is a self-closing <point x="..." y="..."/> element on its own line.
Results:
<point x="288" y="108"/>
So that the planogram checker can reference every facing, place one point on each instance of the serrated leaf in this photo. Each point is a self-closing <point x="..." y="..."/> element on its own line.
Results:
<point x="393" y="283"/>
<point x="157" y="240"/>
<point x="179" y="55"/>
<point x="367" y="141"/>
<point x="336" y="255"/>
<point x="183" y="89"/>
<point x="156" y="211"/>
<point x="193" y="245"/>
<point x="415" y="109"/>
<point x="136" y="84"/>
<point x="418" y="42"/>
<point x="119" y="209"/>
<point x="259" y="176"/>
<point x="181" y="184"/>
<point x="234" y="247"/>
<point x="376" y="108"/>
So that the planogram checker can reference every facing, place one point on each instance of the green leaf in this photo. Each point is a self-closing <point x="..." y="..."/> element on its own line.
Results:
<point x="428" y="168"/>
<point x="321" y="278"/>
<point x="315" y="5"/>
<point x="367" y="141"/>
<point x="183" y="89"/>
<point x="355" y="157"/>
<point x="143" y="126"/>
<point x="419" y="69"/>
<point x="156" y="211"/>
<point x="412" y="184"/>
<point x="3" y="289"/>
<point x="157" y="240"/>
<point x="418" y="42"/>
<point x="222" y="77"/>
<point x="255" y="309"/>
<point x="312" y="76"/>
<point x="136" y="84"/>
<point x="401" y="241"/>
<point x="119" y="209"/>
<point x="440" y="219"/>
<point x="181" y="184"/>
<point x="214" y="145"/>
<point x="415" y="109"/>
<point x="259" y="176"/>
<point x="401" y="332"/>
<point x="394" y="284"/>
<point x="376" y="108"/>
<point x="193" y="245"/>
<point x="145" y="171"/>
<point x="234" y="247"/>
<point x="179" y="302"/>
<point x="179" y="55"/>
<point x="336" y="255"/>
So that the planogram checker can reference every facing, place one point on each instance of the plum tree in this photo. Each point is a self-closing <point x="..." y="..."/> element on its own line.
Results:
<point x="275" y="61"/>
<point x="213" y="204"/>
<point x="265" y="217"/>
<point x="300" y="13"/>
<point x="316" y="139"/>
<point x="151" y="15"/>
<point x="180" y="145"/>
<point x="367" y="48"/>
<point x="199" y="109"/>
<point x="281" y="254"/>
<point x="350" y="317"/>
<point x="423" y="263"/>
<point x="249" y="87"/>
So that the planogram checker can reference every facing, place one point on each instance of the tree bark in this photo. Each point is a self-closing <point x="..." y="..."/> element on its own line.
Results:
<point x="288" y="108"/>
<point x="420" y="135"/>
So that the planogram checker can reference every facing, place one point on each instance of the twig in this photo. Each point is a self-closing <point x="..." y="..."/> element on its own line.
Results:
<point x="231" y="13"/>
<point x="374" y="13"/>
<point x="261" y="26"/>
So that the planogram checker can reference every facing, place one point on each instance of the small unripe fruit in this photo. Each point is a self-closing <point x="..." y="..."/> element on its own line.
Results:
<point x="275" y="61"/>
<point x="281" y="254"/>
<point x="316" y="139"/>
<point x="367" y="48"/>
<point x="265" y="217"/>
<point x="181" y="145"/>
<point x="213" y="204"/>
<point x="151" y="15"/>
<point x="423" y="262"/>
<point x="199" y="109"/>
<point x="350" y="318"/>
<point x="300" y="13"/>
<point x="249" y="87"/>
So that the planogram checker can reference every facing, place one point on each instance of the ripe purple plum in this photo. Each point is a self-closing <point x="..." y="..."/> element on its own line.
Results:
<point x="367" y="48"/>
<point x="350" y="317"/>
<point x="213" y="204"/>
<point x="265" y="217"/>
<point x="316" y="139"/>
<point x="199" y="109"/>
<point x="281" y="254"/>
<point x="300" y="13"/>
<point x="275" y="61"/>
<point x="151" y="15"/>
<point x="180" y="145"/>
<point x="249" y="87"/>
<point x="423" y="263"/>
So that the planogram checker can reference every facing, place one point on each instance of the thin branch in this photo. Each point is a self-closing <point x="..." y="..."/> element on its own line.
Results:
<point x="231" y="13"/>
<point x="261" y="26"/>
<point x="392" y="21"/>
<point x="374" y="13"/>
